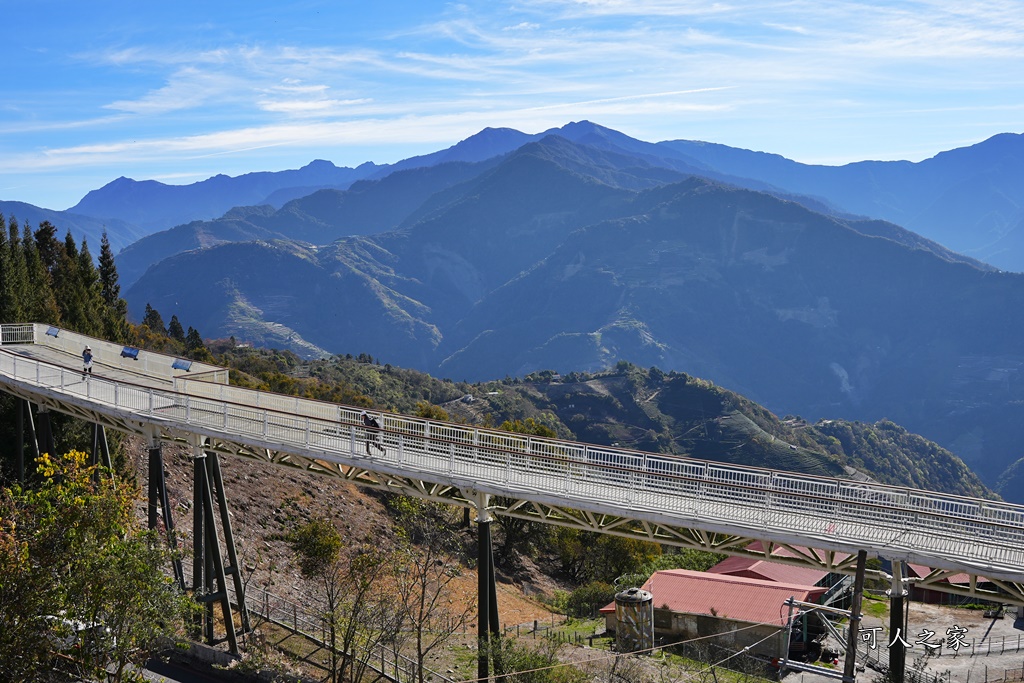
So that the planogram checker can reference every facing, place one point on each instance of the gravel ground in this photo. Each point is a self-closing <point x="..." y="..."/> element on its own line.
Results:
<point x="992" y="650"/>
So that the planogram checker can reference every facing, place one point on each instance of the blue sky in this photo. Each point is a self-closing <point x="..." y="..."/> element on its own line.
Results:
<point x="178" y="92"/>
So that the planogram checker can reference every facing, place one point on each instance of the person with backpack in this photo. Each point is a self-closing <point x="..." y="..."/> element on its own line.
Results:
<point x="372" y="428"/>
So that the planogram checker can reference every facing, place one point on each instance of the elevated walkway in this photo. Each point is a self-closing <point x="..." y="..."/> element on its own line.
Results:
<point x="667" y="499"/>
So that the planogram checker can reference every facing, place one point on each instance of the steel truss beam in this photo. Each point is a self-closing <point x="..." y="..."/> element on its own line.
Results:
<point x="624" y="526"/>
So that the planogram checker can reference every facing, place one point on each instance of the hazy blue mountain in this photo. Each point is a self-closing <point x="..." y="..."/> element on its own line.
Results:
<point x="367" y="207"/>
<point x="236" y="226"/>
<point x="493" y="142"/>
<point x="403" y="197"/>
<point x="487" y="144"/>
<point x="969" y="199"/>
<point x="119" y="233"/>
<point x="154" y="206"/>
<point x="563" y="255"/>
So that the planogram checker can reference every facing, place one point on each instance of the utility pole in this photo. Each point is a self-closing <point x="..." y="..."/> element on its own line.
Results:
<point x="850" y="669"/>
<point x="897" y="648"/>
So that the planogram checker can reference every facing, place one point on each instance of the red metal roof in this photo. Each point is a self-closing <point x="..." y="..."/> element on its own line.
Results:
<point x="729" y="597"/>
<point x="754" y="568"/>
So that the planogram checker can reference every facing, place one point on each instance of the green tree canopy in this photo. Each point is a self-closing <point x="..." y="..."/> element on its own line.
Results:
<point x="72" y="553"/>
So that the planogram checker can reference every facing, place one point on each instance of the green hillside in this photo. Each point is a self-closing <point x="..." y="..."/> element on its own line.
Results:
<point x="642" y="409"/>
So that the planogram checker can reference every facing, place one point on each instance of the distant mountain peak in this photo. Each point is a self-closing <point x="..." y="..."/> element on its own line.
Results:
<point x="319" y="165"/>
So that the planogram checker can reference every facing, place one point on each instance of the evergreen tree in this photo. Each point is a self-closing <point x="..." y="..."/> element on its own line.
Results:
<point x="89" y="281"/>
<point x="6" y="286"/>
<point x="48" y="245"/>
<point x="195" y="348"/>
<point x="175" y="331"/>
<point x="115" y="318"/>
<point x="68" y="288"/>
<point x="153" y="320"/>
<point x="193" y="340"/>
<point x="109" y="287"/>
<point x="16" y="276"/>
<point x="40" y="302"/>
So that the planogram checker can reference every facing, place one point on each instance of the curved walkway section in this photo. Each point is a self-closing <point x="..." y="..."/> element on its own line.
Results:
<point x="715" y="502"/>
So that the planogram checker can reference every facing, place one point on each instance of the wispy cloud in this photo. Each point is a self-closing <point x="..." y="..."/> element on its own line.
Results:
<point x="659" y="67"/>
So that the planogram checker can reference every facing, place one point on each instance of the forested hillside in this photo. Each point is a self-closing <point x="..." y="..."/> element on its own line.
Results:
<point x="58" y="282"/>
<point x="45" y="279"/>
<point x="644" y="409"/>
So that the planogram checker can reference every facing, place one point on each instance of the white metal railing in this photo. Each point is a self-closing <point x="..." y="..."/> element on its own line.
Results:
<point x="17" y="334"/>
<point x="148" y="363"/>
<point x="942" y="530"/>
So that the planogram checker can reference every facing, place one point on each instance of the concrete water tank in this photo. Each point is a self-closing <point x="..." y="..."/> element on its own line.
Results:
<point x="634" y="617"/>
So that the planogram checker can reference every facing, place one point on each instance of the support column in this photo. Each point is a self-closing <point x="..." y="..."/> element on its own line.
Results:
<point x="850" y="668"/>
<point x="160" y="503"/>
<point x="100" y="449"/>
<point x="44" y="433"/>
<point x="487" y="595"/>
<point x="787" y="641"/>
<point x="208" y="571"/>
<point x="33" y="434"/>
<point x="897" y="649"/>
<point x="214" y="475"/>
<point x="20" y="440"/>
<point x="199" y="574"/>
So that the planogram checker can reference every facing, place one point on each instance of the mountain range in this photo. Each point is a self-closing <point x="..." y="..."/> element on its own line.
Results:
<point x="578" y="248"/>
<point x="565" y="256"/>
<point x="970" y="199"/>
<point x="119" y="233"/>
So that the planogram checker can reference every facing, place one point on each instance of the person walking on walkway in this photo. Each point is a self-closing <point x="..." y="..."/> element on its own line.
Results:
<point x="372" y="428"/>
<point x="86" y="361"/>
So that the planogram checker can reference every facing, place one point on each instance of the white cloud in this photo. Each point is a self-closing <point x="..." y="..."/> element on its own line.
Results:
<point x="311" y="107"/>
<point x="522" y="26"/>
<point x="188" y="88"/>
<point x="645" y="66"/>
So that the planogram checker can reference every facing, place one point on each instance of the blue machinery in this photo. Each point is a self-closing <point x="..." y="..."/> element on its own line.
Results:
<point x="828" y="523"/>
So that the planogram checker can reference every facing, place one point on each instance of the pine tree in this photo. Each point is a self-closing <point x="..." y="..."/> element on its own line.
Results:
<point x="47" y="245"/>
<point x="110" y="289"/>
<point x="6" y="286"/>
<point x="195" y="348"/>
<point x="115" y="314"/>
<point x="17" y="275"/>
<point x="175" y="331"/>
<point x="40" y="301"/>
<point x="193" y="340"/>
<point x="153" y="320"/>
<point x="95" y="306"/>
<point x="67" y="284"/>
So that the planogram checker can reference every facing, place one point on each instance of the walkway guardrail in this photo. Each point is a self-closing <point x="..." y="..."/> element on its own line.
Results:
<point x="107" y="353"/>
<point x="941" y="530"/>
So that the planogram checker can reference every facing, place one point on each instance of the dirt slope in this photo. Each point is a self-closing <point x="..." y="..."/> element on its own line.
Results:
<point x="266" y="501"/>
